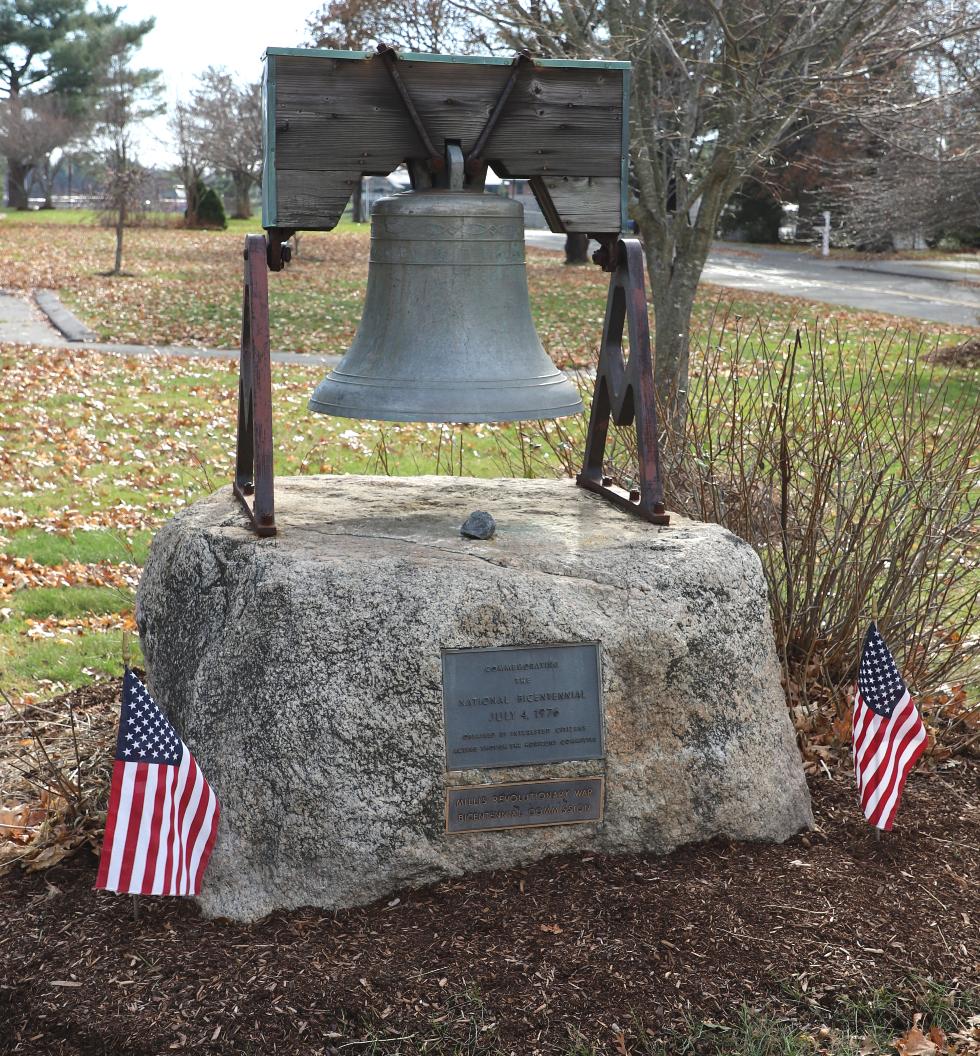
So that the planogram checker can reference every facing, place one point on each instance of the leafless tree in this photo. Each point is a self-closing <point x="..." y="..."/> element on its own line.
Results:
<point x="415" y="25"/>
<point x="127" y="97"/>
<point x="715" y="87"/>
<point x="190" y="168"/>
<point x="122" y="197"/>
<point x="33" y="128"/>
<point x="228" y="119"/>
<point x="920" y="178"/>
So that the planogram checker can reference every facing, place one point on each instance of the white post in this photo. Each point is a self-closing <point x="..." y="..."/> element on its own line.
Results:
<point x="825" y="249"/>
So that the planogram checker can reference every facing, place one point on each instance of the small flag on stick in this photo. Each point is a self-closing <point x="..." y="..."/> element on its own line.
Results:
<point x="888" y="734"/>
<point x="163" y="815"/>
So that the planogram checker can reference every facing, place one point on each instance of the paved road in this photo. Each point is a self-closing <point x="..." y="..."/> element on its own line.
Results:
<point x="940" y="292"/>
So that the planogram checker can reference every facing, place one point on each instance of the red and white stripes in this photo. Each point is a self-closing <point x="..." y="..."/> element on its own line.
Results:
<point x="885" y="750"/>
<point x="160" y="829"/>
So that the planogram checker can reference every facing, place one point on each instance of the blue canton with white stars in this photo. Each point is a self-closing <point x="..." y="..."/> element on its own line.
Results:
<point x="145" y="735"/>
<point x="879" y="680"/>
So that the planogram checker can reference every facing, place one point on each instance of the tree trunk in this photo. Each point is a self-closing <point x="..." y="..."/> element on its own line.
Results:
<point x="243" y="202"/>
<point x="193" y="189"/>
<point x="46" y="177"/>
<point x="672" y="330"/>
<point x="120" y="227"/>
<point x="576" y="248"/>
<point x="17" y="173"/>
<point x="672" y="297"/>
<point x="676" y="253"/>
<point x="357" y="203"/>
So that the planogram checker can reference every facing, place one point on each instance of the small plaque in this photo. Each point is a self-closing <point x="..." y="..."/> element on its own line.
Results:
<point x="523" y="804"/>
<point x="522" y="705"/>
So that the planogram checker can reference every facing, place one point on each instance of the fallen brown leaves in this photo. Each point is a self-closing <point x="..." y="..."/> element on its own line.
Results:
<point x="34" y="841"/>
<point x="55" y="762"/>
<point x="114" y="447"/>
<point x="935" y="1042"/>
<point x="16" y="573"/>
<point x="964" y="354"/>
<point x="67" y="519"/>
<point x="915" y="1043"/>
<point x="19" y="823"/>
<point x="823" y="724"/>
<point x="67" y="626"/>
<point x="184" y="287"/>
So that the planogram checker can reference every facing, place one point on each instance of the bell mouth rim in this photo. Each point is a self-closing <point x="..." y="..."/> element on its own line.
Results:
<point x="534" y="382"/>
<point x="345" y="395"/>
<point x="448" y="418"/>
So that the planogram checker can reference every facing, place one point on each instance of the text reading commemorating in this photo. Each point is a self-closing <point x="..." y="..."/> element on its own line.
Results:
<point x="523" y="804"/>
<point x="522" y="705"/>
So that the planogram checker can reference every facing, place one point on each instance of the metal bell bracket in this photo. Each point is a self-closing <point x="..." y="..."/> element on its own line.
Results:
<point x="624" y="388"/>
<point x="253" y="463"/>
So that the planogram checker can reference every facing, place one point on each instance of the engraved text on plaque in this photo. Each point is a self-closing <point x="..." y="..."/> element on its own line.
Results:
<point x="522" y="705"/>
<point x="479" y="808"/>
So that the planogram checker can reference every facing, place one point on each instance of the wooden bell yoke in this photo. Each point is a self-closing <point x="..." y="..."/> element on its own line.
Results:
<point x="332" y="117"/>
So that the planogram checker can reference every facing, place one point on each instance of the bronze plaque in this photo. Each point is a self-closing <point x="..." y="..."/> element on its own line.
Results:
<point x="522" y="705"/>
<point x="524" y="804"/>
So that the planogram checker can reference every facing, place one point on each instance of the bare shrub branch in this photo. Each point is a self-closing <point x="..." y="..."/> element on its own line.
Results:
<point x="857" y="485"/>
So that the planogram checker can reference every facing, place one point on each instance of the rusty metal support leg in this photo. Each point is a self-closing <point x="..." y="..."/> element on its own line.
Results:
<point x="253" y="464"/>
<point x="624" y="390"/>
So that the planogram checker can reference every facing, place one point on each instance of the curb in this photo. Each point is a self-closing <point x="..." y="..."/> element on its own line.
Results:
<point x="967" y="279"/>
<point x="61" y="318"/>
<point x="297" y="359"/>
<point x="72" y="333"/>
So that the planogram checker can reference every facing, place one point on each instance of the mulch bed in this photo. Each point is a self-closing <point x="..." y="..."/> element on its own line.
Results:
<point x="524" y="961"/>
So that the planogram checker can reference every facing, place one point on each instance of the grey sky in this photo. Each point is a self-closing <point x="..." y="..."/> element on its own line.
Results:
<point x="189" y="37"/>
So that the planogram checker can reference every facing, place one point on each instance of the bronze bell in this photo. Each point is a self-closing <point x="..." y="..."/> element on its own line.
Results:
<point x="446" y="334"/>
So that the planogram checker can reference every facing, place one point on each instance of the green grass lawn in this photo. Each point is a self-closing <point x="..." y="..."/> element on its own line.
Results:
<point x="102" y="450"/>
<point x="99" y="451"/>
<point x="49" y="218"/>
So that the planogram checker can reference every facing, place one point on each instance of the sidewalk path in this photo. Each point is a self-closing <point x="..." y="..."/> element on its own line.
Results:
<point x="940" y="292"/>
<point x="23" y="323"/>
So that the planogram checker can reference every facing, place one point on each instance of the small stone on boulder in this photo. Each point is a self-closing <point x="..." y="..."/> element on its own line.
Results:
<point x="479" y="525"/>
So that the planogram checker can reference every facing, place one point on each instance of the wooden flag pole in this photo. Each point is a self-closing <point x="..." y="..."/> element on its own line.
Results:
<point x="874" y="619"/>
<point x="126" y="658"/>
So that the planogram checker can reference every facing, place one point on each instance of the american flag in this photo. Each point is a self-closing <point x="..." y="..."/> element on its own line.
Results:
<point x="163" y="815"/>
<point x="888" y="734"/>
